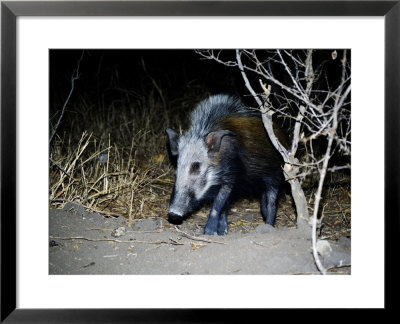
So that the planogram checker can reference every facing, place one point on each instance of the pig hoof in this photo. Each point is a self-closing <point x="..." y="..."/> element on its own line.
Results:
<point x="222" y="232"/>
<point x="208" y="231"/>
<point x="222" y="228"/>
<point x="211" y="226"/>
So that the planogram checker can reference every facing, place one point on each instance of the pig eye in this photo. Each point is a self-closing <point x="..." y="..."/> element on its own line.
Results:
<point x="195" y="168"/>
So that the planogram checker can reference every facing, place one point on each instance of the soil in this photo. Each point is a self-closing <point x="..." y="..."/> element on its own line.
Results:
<point x="83" y="242"/>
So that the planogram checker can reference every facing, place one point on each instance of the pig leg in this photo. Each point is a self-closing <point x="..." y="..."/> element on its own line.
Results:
<point x="216" y="222"/>
<point x="268" y="203"/>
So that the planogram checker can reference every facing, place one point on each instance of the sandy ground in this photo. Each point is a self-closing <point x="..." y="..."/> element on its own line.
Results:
<point x="87" y="243"/>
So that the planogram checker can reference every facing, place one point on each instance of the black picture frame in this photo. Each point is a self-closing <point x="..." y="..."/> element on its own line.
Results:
<point x="10" y="10"/>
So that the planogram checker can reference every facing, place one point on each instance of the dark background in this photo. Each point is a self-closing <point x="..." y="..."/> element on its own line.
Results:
<point x="107" y="75"/>
<point x="177" y="78"/>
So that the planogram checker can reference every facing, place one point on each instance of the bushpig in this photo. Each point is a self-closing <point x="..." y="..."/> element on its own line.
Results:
<point x="225" y="154"/>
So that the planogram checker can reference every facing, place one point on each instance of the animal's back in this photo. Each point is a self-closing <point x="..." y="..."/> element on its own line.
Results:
<point x="224" y="112"/>
<point x="206" y="117"/>
<point x="259" y="154"/>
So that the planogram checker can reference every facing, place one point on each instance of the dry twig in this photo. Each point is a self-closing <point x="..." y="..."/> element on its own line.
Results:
<point x="196" y="238"/>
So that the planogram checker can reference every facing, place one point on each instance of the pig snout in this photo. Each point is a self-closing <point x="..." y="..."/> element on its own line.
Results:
<point x="175" y="218"/>
<point x="176" y="213"/>
<point x="180" y="207"/>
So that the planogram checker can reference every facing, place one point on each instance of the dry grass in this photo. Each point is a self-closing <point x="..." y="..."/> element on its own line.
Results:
<point x="114" y="163"/>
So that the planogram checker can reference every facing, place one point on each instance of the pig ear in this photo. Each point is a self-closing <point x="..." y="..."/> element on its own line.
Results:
<point x="213" y="139"/>
<point x="173" y="137"/>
